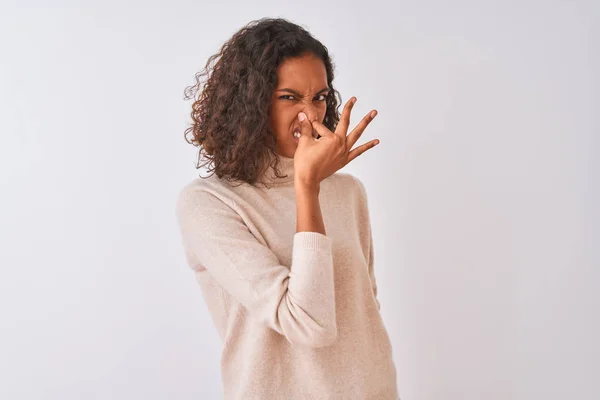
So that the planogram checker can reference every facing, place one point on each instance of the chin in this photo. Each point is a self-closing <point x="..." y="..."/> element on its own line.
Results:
<point x="291" y="152"/>
<point x="288" y="151"/>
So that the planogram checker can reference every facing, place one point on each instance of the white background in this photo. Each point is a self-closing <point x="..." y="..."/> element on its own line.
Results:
<point x="484" y="192"/>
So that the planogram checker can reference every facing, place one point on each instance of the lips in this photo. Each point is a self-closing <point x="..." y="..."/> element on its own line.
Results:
<point x="297" y="129"/>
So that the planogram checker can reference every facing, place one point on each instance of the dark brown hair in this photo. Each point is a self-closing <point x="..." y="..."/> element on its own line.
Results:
<point x="230" y="112"/>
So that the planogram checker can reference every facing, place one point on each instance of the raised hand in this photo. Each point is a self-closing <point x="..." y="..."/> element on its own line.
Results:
<point x="316" y="159"/>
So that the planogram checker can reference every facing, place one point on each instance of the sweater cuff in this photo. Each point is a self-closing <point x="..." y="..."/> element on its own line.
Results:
<point x="312" y="241"/>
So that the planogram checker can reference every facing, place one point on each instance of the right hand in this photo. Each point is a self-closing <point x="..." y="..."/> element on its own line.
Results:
<point x="317" y="159"/>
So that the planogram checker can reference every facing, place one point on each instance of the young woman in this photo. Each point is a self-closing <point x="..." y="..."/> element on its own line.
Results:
<point x="281" y="242"/>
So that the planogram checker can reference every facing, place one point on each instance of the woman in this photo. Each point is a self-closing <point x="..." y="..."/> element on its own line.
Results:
<point x="280" y="243"/>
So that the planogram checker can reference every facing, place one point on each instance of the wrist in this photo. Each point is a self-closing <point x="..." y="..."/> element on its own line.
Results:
<point x="307" y="186"/>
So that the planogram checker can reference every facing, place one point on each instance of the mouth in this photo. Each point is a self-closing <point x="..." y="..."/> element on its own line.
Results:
<point x="296" y="134"/>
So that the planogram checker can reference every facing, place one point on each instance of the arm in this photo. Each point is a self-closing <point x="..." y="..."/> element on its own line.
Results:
<point x="372" y="270"/>
<point x="308" y="208"/>
<point x="371" y="252"/>
<point x="297" y="302"/>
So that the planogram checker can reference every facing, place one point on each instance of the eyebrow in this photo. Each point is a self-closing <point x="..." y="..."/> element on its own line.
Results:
<point x="298" y="94"/>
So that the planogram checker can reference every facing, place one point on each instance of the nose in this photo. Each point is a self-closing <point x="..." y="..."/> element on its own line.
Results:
<point x="310" y="111"/>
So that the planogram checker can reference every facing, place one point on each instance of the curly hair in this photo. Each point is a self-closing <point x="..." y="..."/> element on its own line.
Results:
<point x="230" y="112"/>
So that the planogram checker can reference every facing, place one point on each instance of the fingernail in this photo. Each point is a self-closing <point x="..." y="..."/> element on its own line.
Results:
<point x="301" y="116"/>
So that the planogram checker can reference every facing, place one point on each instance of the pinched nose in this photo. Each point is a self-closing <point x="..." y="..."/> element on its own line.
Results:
<point x="311" y="112"/>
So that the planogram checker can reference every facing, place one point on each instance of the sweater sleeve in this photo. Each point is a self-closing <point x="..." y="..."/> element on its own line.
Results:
<point x="372" y="270"/>
<point x="298" y="302"/>
<point x="371" y="252"/>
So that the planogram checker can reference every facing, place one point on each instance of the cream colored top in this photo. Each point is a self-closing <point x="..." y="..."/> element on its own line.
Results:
<point x="297" y="313"/>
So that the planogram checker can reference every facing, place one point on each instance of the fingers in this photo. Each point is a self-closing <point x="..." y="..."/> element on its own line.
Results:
<point x="361" y="149"/>
<point x="356" y="133"/>
<point x="305" y="126"/>
<point x="344" y="122"/>
<point x="321" y="129"/>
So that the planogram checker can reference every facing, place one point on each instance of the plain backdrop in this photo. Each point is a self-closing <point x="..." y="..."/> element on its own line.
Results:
<point x="484" y="192"/>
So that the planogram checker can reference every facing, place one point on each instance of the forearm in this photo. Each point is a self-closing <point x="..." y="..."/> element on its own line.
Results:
<point x="308" y="209"/>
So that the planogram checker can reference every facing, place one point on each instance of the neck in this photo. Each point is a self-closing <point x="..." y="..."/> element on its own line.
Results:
<point x="286" y="171"/>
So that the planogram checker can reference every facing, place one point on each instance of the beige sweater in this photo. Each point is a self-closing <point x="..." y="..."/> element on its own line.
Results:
<point x="297" y="312"/>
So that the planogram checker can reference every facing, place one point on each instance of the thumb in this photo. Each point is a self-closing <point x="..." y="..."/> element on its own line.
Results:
<point x="305" y="126"/>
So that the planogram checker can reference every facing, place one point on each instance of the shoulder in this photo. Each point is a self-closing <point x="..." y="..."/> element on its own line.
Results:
<point x="197" y="188"/>
<point x="349" y="196"/>
<point x="203" y="194"/>
<point x="348" y="190"/>
<point x="350" y="184"/>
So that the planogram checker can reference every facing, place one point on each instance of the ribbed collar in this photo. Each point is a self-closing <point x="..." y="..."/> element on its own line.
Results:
<point x="286" y="167"/>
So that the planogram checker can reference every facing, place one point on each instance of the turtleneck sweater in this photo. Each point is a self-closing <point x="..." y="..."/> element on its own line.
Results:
<point x="297" y="312"/>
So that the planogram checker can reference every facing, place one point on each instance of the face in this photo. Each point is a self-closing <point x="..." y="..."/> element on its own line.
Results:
<point x="301" y="87"/>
